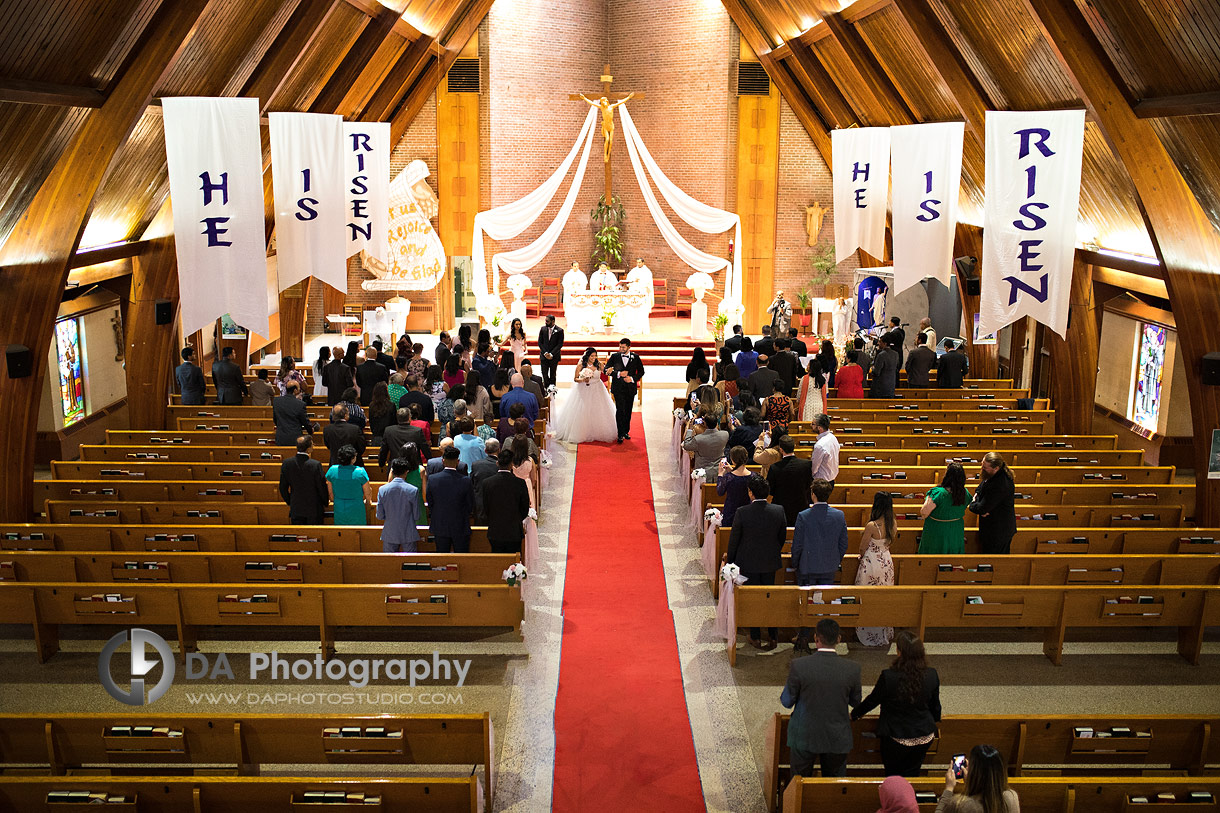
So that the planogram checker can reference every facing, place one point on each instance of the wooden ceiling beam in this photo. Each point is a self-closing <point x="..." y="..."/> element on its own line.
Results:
<point x="105" y="254"/>
<point x="35" y="260"/>
<point x="886" y="106"/>
<point x="1186" y="242"/>
<point x="456" y="37"/>
<point x="804" y="110"/>
<point x="819" y="86"/>
<point x="1188" y="104"/>
<point x="26" y="91"/>
<point x="355" y="61"/>
<point x="749" y="26"/>
<point x="934" y="41"/>
<point x="290" y="46"/>
<point x="398" y="81"/>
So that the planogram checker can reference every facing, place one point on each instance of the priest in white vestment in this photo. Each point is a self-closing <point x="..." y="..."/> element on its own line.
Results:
<point x="575" y="281"/>
<point x="640" y="279"/>
<point x="603" y="279"/>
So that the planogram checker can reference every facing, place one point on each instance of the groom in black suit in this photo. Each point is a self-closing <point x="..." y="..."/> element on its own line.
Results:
<point x="625" y="370"/>
<point x="550" y="343"/>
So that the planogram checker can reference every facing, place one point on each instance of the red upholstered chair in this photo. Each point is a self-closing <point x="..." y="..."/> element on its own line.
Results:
<point x="533" y="302"/>
<point x="660" y="305"/>
<point x="549" y="298"/>
<point x="686" y="298"/>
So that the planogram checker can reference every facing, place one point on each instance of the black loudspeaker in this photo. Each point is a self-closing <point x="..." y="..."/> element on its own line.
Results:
<point x="974" y="286"/>
<point x="1211" y="369"/>
<point x="20" y="361"/>
<point x="164" y="311"/>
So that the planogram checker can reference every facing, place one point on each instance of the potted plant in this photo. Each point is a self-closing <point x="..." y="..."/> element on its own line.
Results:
<point x="608" y="234"/>
<point x="804" y="313"/>
<point x="608" y="319"/>
<point x="823" y="262"/>
<point x="718" y="325"/>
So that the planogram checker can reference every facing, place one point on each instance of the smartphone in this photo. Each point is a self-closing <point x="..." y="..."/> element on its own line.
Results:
<point x="766" y="425"/>
<point x="959" y="765"/>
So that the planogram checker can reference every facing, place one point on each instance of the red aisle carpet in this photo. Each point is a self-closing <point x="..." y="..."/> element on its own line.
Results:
<point x="622" y="736"/>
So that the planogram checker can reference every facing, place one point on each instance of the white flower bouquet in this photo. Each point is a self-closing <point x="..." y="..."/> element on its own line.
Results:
<point x="698" y="474"/>
<point x="552" y="391"/>
<point x="730" y="573"/>
<point x="680" y="414"/>
<point x="585" y="375"/>
<point x="514" y="574"/>
<point x="712" y="515"/>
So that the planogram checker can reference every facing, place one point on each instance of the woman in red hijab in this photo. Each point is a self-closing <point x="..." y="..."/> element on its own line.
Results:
<point x="897" y="796"/>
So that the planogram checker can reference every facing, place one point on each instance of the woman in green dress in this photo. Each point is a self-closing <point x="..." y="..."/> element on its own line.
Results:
<point x="944" y="530"/>
<point x="349" y="488"/>
<point x="417" y="476"/>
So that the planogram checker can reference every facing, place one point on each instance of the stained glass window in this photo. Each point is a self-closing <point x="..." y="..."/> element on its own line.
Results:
<point x="1146" y="401"/>
<point x="71" y="382"/>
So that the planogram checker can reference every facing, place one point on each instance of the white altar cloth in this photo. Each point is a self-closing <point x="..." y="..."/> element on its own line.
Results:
<point x="584" y="310"/>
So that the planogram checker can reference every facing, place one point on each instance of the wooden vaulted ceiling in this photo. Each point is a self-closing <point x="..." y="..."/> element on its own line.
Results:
<point x="373" y="60"/>
<point x="887" y="62"/>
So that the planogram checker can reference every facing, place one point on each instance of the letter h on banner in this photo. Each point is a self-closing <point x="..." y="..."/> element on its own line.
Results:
<point x="1029" y="228"/>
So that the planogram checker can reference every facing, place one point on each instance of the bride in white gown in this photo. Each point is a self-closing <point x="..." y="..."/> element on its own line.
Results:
<point x="586" y="413"/>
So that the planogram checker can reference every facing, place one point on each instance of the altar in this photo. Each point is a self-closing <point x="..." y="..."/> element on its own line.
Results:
<point x="585" y="312"/>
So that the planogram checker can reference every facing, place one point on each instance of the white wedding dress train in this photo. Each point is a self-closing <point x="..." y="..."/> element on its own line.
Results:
<point x="585" y="413"/>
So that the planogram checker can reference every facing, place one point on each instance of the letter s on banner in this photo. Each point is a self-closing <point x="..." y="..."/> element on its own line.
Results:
<point x="1029" y="225"/>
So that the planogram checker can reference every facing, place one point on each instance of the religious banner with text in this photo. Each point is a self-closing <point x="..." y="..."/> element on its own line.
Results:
<point x="215" y="161"/>
<point x="308" y="179"/>
<point x="416" y="256"/>
<point x="1029" y="223"/>
<point x="926" y="166"/>
<point x="861" y="175"/>
<point x="366" y="153"/>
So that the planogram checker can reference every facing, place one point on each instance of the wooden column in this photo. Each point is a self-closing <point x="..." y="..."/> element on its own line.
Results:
<point x="1186" y="242"/>
<point x="293" y="303"/>
<point x="757" y="201"/>
<point x="1074" y="359"/>
<point x="984" y="358"/>
<point x="457" y="177"/>
<point x="35" y="260"/>
<point x="152" y="352"/>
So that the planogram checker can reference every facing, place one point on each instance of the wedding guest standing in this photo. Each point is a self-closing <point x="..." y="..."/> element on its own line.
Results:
<point x="811" y="397"/>
<point x="994" y="503"/>
<point x="349" y="488"/>
<point x="944" y="530"/>
<point x="790" y="478"/>
<point x="876" y="567"/>
<point x="550" y="347"/>
<point x="190" y="379"/>
<point x="909" y="695"/>
<point x="731" y="479"/>
<point x="821" y="691"/>
<point x="778" y="408"/>
<point x="851" y="377"/>
<point x="756" y="544"/>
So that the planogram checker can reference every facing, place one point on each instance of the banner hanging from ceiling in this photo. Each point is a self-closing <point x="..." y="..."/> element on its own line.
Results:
<point x="861" y="176"/>
<point x="366" y="155"/>
<point x="926" y="167"/>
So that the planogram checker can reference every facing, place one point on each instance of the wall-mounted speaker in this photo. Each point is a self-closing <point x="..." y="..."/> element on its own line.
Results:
<point x="164" y="311"/>
<point x="974" y="286"/>
<point x="20" y="361"/>
<point x="1211" y="369"/>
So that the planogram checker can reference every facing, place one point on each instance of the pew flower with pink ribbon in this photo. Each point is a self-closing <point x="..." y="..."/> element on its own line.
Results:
<point x="726" y="607"/>
<point x="711" y="521"/>
<point x="514" y="574"/>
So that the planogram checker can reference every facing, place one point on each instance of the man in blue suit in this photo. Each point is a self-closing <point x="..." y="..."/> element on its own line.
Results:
<point x="819" y="541"/>
<point x="450" y="503"/>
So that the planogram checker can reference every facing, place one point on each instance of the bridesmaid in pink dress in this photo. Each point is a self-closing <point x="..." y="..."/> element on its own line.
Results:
<point x="523" y="467"/>
<point x="516" y="342"/>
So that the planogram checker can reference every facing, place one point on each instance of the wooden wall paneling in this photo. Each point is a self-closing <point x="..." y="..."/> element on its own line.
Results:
<point x="35" y="260"/>
<point x="290" y="45"/>
<point x="377" y="32"/>
<point x="151" y="349"/>
<point x="1074" y="358"/>
<point x="804" y="110"/>
<point x="398" y="80"/>
<point x="24" y="91"/>
<point x="885" y="105"/>
<point x="293" y="300"/>
<point x="332" y="302"/>
<point x="757" y="200"/>
<point x="817" y="84"/>
<point x="1186" y="241"/>
<point x="457" y="177"/>
<point x="984" y="358"/>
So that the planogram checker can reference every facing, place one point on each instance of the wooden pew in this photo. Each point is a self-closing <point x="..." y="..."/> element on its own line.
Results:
<point x="1043" y="794"/>
<point x="226" y="794"/>
<point x="246" y="742"/>
<point x="1178" y="742"/>
<point x="320" y="413"/>
<point x="1052" y="473"/>
<point x="233" y="568"/>
<point x="157" y="490"/>
<point x="851" y="417"/>
<point x="187" y="607"/>
<point x="966" y="442"/>
<point x="138" y="538"/>
<point x="1110" y="460"/>
<point x="1053" y="609"/>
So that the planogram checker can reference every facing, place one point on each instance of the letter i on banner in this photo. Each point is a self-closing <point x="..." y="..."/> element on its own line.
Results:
<point x="307" y="176"/>
<point x="366" y="153"/>
<point x="1029" y="223"/>
<point x="926" y="163"/>
<point x="861" y="170"/>
<point x="215" y="160"/>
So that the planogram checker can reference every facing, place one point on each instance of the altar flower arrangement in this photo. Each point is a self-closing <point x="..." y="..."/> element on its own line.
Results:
<point x="718" y="325"/>
<point x="608" y="317"/>
<point x="514" y="574"/>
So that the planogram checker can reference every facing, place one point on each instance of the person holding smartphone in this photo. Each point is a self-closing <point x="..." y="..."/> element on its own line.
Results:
<point x="909" y="695"/>
<point x="986" y="790"/>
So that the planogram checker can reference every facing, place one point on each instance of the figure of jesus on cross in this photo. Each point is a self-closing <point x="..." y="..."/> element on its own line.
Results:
<point x="605" y="104"/>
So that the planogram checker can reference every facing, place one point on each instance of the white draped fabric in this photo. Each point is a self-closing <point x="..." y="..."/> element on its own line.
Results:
<point x="726" y="609"/>
<point x="507" y="221"/>
<point x="695" y="214"/>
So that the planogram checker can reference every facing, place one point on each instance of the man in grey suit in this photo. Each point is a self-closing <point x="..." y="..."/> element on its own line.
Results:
<point x="884" y="371"/>
<point x="756" y="543"/>
<point x="290" y="416"/>
<point x="819" y="541"/>
<point x="919" y="362"/>
<point x="480" y="470"/>
<point x="762" y="381"/>
<point x="226" y="375"/>
<point x="821" y="690"/>
<point x="706" y="439"/>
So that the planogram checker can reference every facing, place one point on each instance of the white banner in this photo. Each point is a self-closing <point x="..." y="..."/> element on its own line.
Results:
<point x="926" y="164"/>
<point x="215" y="161"/>
<point x="366" y="155"/>
<point x="1029" y="224"/>
<point x="861" y="175"/>
<point x="310" y="207"/>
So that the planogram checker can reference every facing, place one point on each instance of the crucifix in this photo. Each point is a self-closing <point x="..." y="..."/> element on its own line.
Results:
<point x="606" y="105"/>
